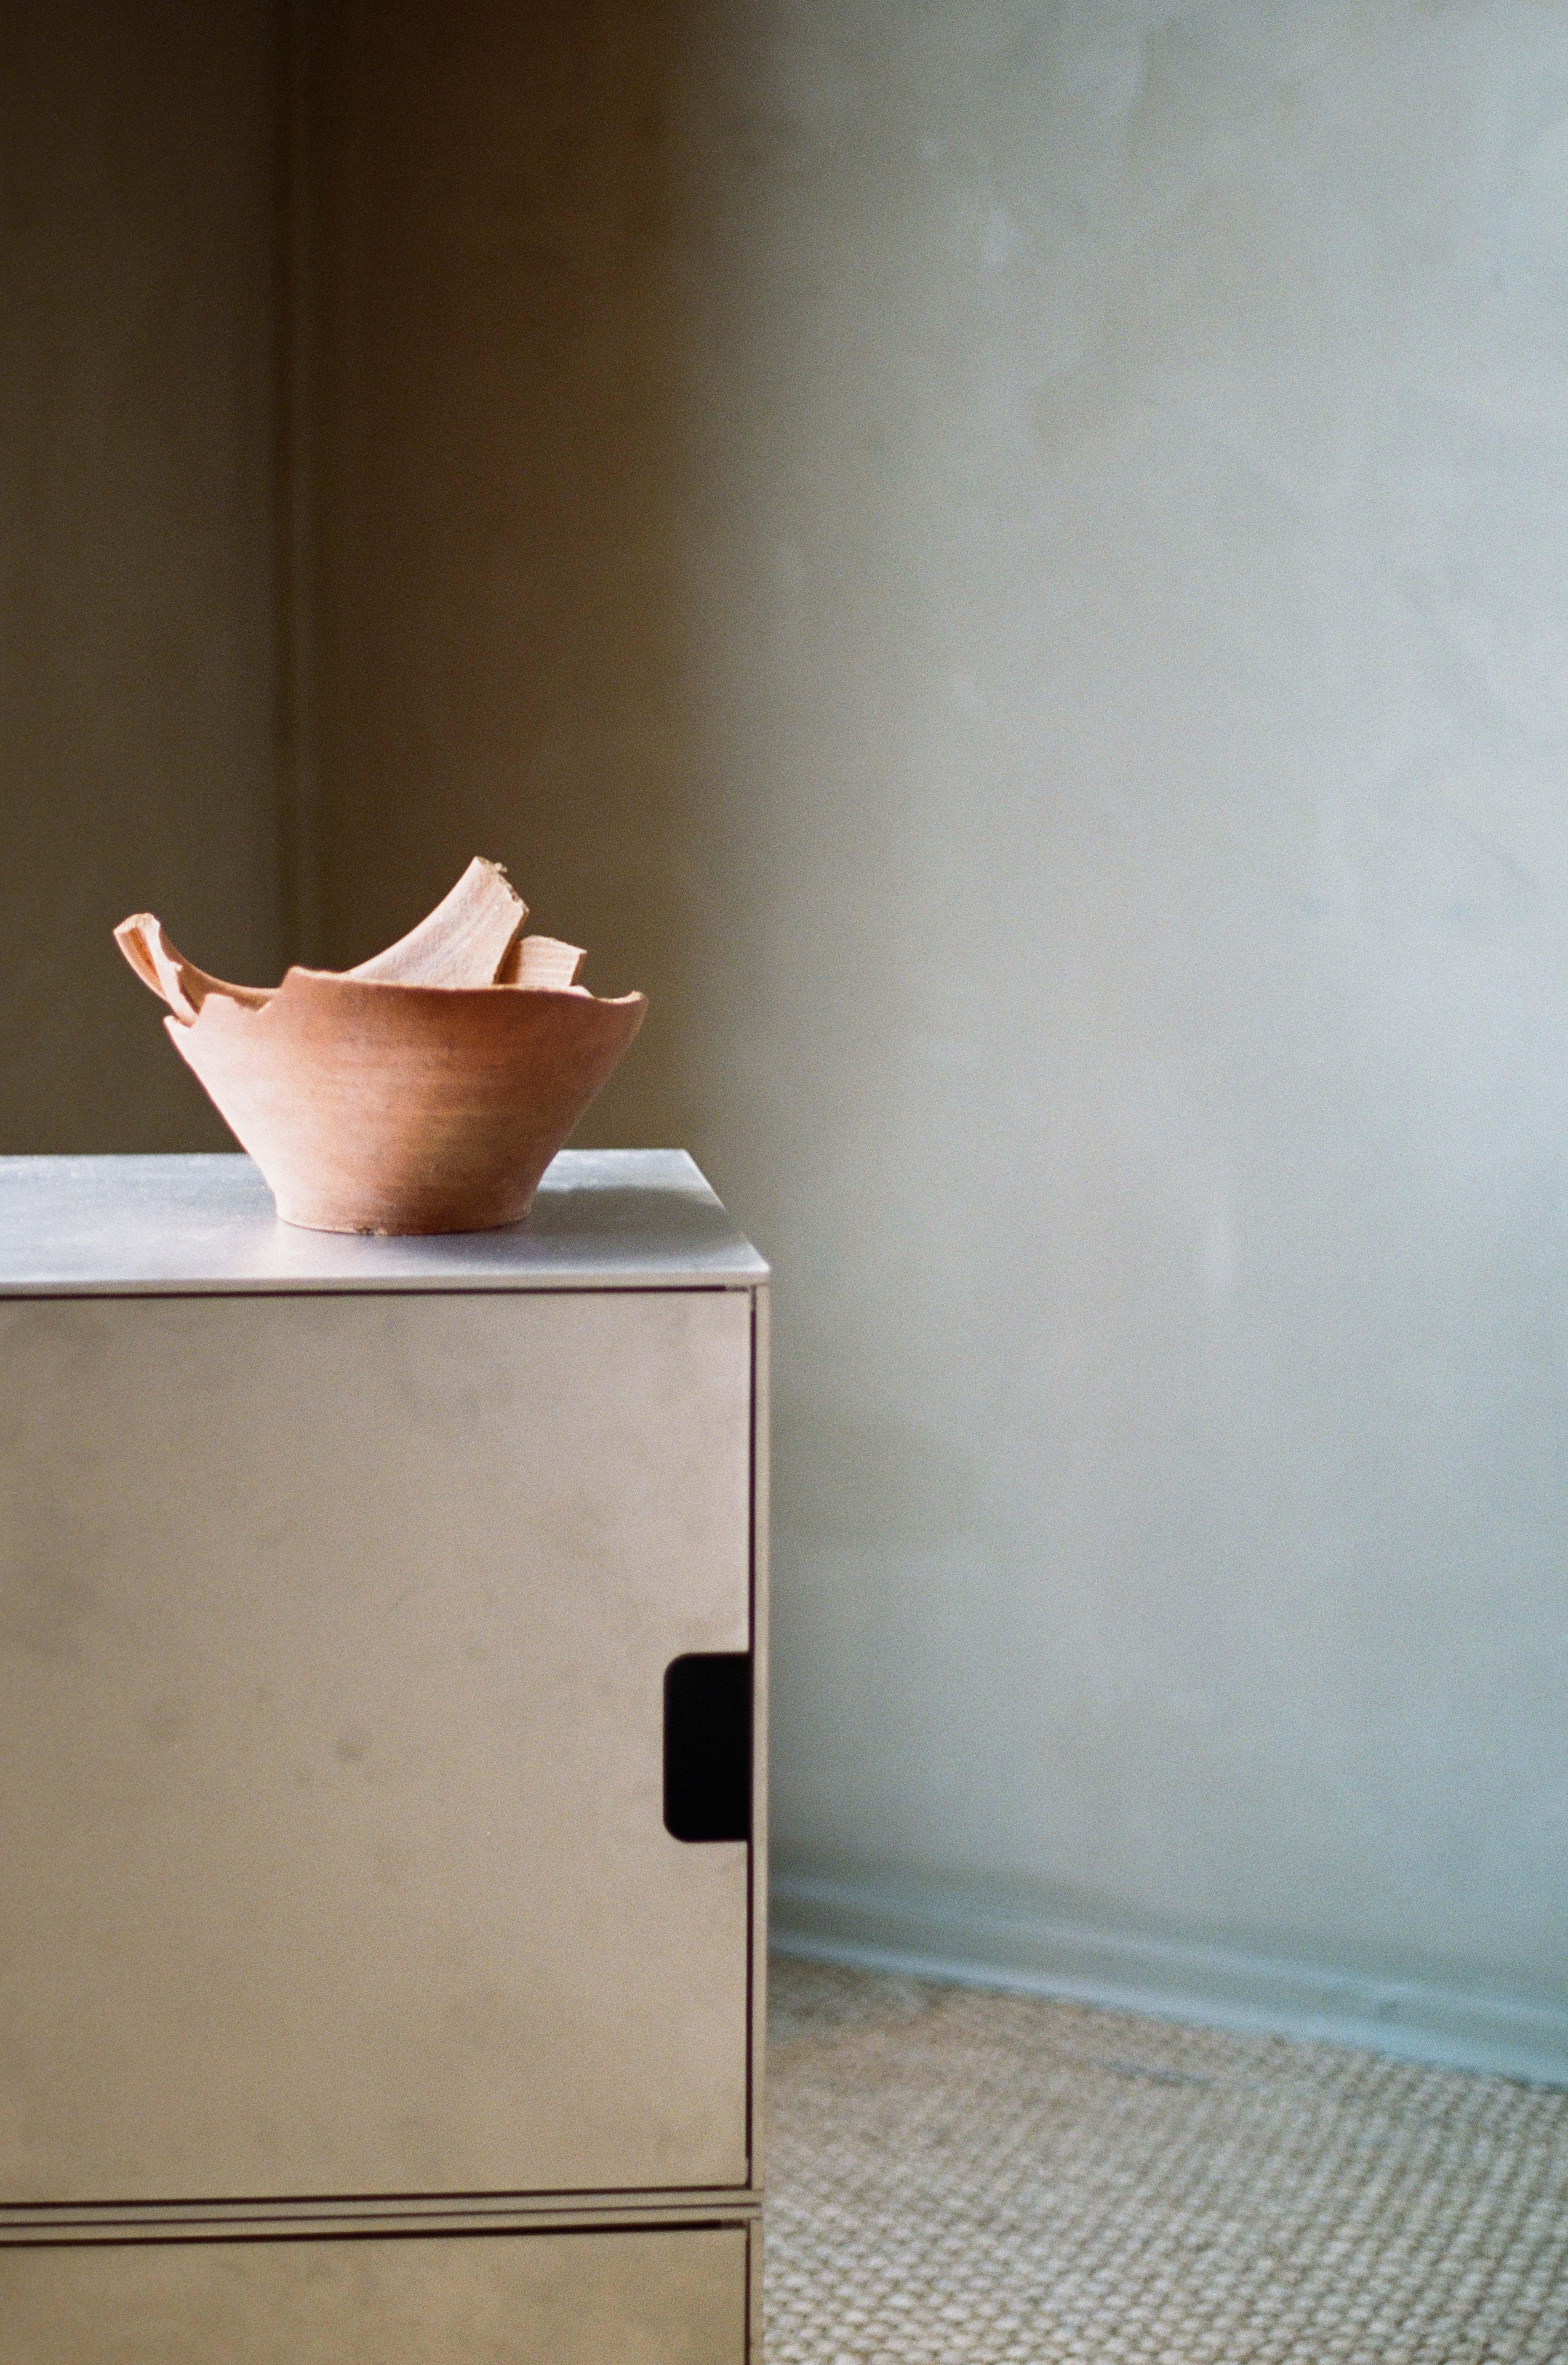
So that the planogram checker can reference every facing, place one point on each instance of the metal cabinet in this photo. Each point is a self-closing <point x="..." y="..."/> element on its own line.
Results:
<point x="382" y="1652"/>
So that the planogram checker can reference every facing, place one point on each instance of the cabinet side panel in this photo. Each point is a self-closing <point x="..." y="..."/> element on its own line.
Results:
<point x="760" y="1468"/>
<point x="332" y="1644"/>
<point x="676" y="2297"/>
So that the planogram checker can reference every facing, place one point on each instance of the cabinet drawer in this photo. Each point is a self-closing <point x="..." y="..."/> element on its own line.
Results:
<point x="676" y="2297"/>
<point x="333" y="1637"/>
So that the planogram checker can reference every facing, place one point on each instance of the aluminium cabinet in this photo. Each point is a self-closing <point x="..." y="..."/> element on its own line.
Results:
<point x="382" y="1650"/>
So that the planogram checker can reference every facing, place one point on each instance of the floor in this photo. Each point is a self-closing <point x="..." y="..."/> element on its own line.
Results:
<point x="959" y="2177"/>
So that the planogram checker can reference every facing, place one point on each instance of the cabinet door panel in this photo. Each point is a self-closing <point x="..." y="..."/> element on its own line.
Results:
<point x="332" y="1644"/>
<point x="666" y="2298"/>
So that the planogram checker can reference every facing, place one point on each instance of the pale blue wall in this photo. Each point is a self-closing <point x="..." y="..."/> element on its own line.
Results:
<point x="1128" y="614"/>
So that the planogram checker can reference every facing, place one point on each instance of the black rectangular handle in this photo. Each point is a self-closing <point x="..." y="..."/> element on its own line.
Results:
<point x="708" y="1745"/>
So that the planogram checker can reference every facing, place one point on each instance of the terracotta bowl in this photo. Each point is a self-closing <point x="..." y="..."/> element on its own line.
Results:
<point x="410" y="1095"/>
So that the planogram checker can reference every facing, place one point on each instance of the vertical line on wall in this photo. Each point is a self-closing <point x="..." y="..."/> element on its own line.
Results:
<point x="298" y="815"/>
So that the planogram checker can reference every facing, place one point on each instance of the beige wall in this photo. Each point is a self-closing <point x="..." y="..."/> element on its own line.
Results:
<point x="1006" y="563"/>
<point x="137" y="702"/>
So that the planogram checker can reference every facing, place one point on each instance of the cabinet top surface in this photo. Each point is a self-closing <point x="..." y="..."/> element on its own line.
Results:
<point x="116" y="1227"/>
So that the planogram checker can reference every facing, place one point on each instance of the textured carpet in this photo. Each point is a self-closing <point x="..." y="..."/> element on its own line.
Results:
<point x="974" y="2177"/>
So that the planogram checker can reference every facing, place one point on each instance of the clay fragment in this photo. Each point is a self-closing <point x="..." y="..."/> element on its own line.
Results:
<point x="464" y="941"/>
<point x="425" y="1091"/>
<point x="145" y="944"/>
<point x="541" y="961"/>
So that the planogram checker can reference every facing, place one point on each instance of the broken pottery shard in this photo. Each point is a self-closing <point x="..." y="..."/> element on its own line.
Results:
<point x="463" y="942"/>
<point x="423" y="1091"/>
<point x="470" y="936"/>
<point x="143" y="941"/>
<point x="541" y="961"/>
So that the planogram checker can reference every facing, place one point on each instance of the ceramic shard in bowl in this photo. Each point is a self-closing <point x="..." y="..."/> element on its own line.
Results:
<point x="426" y="1091"/>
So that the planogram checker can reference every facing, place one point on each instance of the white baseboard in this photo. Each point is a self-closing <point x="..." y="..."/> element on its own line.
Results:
<point x="936" y="1935"/>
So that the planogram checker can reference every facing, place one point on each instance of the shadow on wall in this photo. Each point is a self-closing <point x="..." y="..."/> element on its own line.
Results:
<point x="501" y="352"/>
<point x="137" y="687"/>
<point x="463" y="403"/>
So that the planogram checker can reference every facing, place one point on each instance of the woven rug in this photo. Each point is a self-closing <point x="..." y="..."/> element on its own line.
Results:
<point x="958" y="2178"/>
